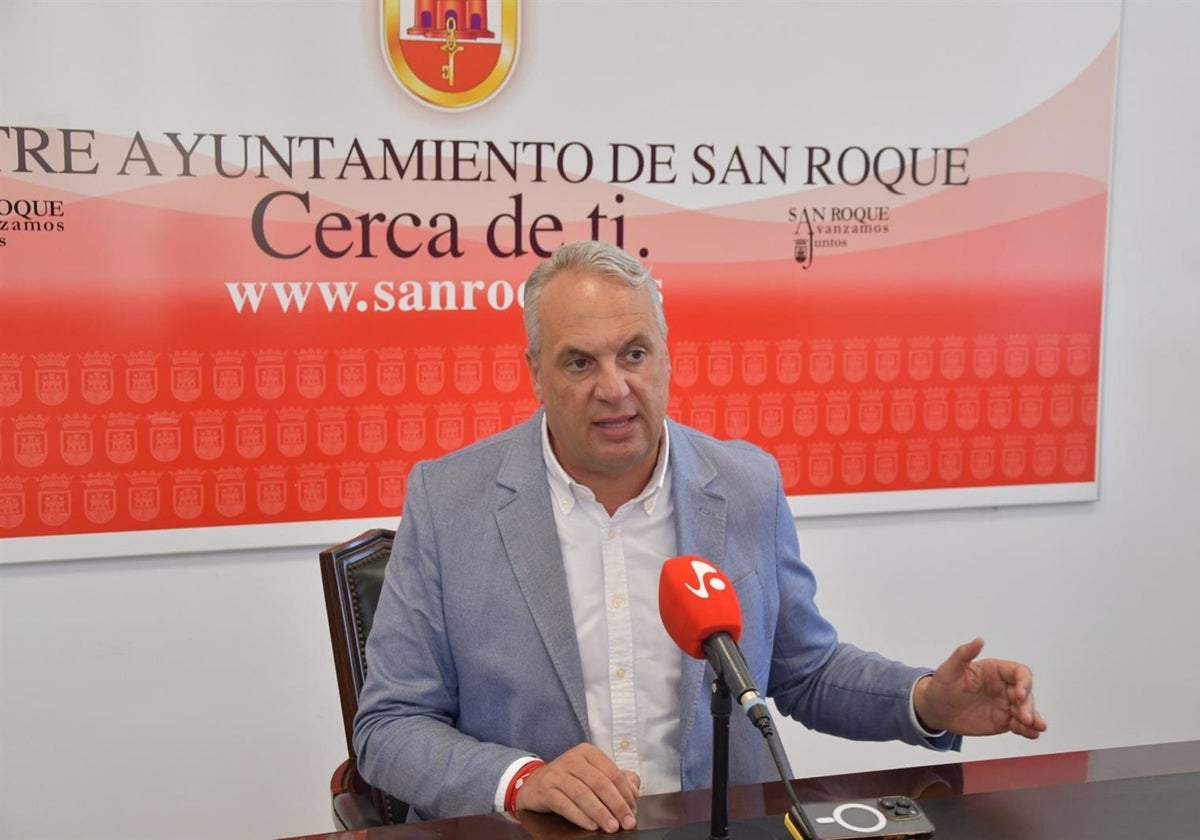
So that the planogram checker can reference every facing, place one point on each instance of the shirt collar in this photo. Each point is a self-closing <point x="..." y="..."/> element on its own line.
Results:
<point x="566" y="490"/>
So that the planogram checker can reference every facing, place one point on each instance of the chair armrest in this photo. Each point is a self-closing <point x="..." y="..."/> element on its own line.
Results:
<point x="352" y="804"/>
<point x="353" y="810"/>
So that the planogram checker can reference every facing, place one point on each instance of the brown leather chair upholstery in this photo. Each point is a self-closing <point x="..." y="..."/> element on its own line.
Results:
<point x="352" y="575"/>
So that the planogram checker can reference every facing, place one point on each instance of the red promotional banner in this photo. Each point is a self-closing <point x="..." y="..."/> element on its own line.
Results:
<point x="205" y="329"/>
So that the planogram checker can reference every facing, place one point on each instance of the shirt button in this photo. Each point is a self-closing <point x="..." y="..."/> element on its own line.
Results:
<point x="620" y="673"/>
<point x="612" y="533"/>
<point x="616" y="602"/>
<point x="623" y="745"/>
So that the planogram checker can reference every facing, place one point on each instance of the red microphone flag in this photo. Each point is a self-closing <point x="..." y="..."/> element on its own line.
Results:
<point x="696" y="600"/>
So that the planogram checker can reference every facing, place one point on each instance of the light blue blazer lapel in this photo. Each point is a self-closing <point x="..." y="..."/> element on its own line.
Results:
<point x="530" y="537"/>
<point x="700" y="511"/>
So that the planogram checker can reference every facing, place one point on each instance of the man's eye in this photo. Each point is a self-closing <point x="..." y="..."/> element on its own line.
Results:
<point x="577" y="364"/>
<point x="636" y="355"/>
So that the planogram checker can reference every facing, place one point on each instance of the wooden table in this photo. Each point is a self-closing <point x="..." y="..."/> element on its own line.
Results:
<point x="1133" y="793"/>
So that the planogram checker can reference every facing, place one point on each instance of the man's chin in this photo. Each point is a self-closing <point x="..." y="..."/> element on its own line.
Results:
<point x="625" y="456"/>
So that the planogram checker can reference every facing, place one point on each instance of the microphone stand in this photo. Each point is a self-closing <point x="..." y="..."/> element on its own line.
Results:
<point x="721" y="707"/>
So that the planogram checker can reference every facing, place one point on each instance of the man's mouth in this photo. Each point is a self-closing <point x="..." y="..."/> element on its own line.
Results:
<point x="618" y="423"/>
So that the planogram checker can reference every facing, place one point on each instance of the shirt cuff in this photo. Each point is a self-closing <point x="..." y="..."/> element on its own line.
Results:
<point x="912" y="710"/>
<point x="506" y="779"/>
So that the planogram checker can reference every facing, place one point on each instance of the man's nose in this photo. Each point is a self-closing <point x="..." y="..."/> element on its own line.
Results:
<point x="611" y="385"/>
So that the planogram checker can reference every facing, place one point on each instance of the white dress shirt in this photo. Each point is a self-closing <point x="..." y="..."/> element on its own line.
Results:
<point x="631" y="668"/>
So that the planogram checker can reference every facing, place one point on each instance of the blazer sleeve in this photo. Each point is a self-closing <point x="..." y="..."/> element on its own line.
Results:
<point x="824" y="683"/>
<point x="405" y="734"/>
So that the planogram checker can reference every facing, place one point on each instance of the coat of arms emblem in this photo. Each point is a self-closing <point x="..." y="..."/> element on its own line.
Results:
<point x="451" y="53"/>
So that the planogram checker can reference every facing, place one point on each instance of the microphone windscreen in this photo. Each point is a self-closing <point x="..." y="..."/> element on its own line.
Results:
<point x="696" y="600"/>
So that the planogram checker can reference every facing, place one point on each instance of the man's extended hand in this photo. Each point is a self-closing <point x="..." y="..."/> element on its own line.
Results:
<point x="978" y="698"/>
<point x="586" y="787"/>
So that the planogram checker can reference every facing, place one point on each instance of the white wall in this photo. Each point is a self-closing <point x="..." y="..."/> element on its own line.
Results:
<point x="194" y="696"/>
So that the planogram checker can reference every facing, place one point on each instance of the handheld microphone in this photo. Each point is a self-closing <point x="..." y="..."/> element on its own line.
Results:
<point x="701" y="613"/>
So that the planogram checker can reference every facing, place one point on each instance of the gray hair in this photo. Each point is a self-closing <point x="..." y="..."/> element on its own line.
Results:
<point x="587" y="257"/>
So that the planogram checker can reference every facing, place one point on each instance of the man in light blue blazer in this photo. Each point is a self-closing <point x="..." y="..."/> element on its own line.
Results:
<point x="487" y="686"/>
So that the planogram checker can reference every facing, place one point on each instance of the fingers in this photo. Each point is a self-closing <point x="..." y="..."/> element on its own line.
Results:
<point x="1016" y="681"/>
<point x="1024" y="731"/>
<point x="1025" y="719"/>
<point x="1027" y="725"/>
<point x="584" y="786"/>
<point x="1012" y="685"/>
<point x="965" y="653"/>
<point x="959" y="661"/>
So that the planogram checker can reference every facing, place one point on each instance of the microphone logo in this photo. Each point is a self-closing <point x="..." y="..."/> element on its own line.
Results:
<point x="705" y="573"/>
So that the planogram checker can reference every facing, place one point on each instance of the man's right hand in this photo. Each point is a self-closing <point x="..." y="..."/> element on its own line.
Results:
<point x="586" y="787"/>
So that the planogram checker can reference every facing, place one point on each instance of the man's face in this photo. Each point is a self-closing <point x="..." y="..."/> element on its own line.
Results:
<point x="602" y="374"/>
